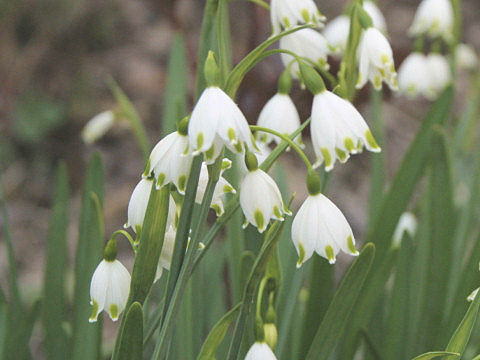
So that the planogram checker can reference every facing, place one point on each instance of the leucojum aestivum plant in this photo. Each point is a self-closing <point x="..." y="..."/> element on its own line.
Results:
<point x="268" y="290"/>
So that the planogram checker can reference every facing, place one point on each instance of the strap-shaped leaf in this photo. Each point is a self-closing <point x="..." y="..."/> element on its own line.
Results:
<point x="217" y="334"/>
<point x="333" y="326"/>
<point x="131" y="342"/>
<point x="435" y="354"/>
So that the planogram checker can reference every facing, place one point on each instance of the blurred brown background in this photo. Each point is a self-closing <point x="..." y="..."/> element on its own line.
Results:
<point x="55" y="56"/>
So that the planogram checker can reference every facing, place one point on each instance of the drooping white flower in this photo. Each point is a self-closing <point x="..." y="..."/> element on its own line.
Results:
<point x="406" y="224"/>
<point x="306" y="43"/>
<point x="413" y="75"/>
<point x="281" y="115"/>
<point x="466" y="57"/>
<point x="216" y="121"/>
<point x="376" y="15"/>
<point x="321" y="227"/>
<point x="98" y="126"/>
<point x="165" y="259"/>
<point x="440" y="74"/>
<point x="375" y="59"/>
<point x="434" y="18"/>
<point x="260" y="351"/>
<point x="138" y="206"/>
<point x="262" y="153"/>
<point x="261" y="200"/>
<point x="338" y="130"/>
<point x="170" y="161"/>
<point x="109" y="289"/>
<point x="222" y="188"/>
<point x="336" y="33"/>
<point x="287" y="13"/>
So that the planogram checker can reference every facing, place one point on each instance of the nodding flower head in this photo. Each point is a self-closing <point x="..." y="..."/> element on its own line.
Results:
<point x="287" y="13"/>
<point x="434" y="18"/>
<point x="260" y="351"/>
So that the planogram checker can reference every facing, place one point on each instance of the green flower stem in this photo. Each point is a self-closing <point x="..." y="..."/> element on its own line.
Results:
<point x="261" y="3"/>
<point x="234" y="204"/>
<point x="132" y="242"/>
<point x="261" y="289"/>
<point x="187" y="266"/>
<point x="290" y="142"/>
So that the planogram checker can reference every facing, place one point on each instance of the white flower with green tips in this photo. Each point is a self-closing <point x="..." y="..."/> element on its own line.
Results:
<point x="261" y="155"/>
<point x="413" y="75"/>
<point x="338" y="130"/>
<point x="216" y="121"/>
<point x="305" y="43"/>
<point x="165" y="259"/>
<point x="376" y="15"/>
<point x="285" y="14"/>
<point x="98" y="126"/>
<point x="407" y="224"/>
<point x="434" y="18"/>
<point x="319" y="226"/>
<point x="137" y="206"/>
<point x="170" y="161"/>
<point x="260" y="197"/>
<point x="439" y="73"/>
<point x="375" y="58"/>
<point x="260" y="351"/>
<point x="110" y="285"/>
<point x="466" y="57"/>
<point x="222" y="188"/>
<point x="336" y="32"/>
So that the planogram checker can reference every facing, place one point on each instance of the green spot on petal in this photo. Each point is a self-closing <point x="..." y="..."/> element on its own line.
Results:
<point x="113" y="310"/>
<point x="330" y="254"/>
<point x="277" y="212"/>
<point x="371" y="140"/>
<point x="351" y="245"/>
<point x="217" y="209"/>
<point x="349" y="144"/>
<point x="228" y="189"/>
<point x="181" y="183"/>
<point x="385" y="59"/>
<point x="238" y="147"/>
<point x="231" y="135"/>
<point x="259" y="220"/>
<point x="147" y="170"/>
<point x="199" y="140"/>
<point x="341" y="154"/>
<point x="210" y="152"/>
<point x="305" y="15"/>
<point x="326" y="157"/>
<point x="286" y="22"/>
<point x="301" y="255"/>
<point x="377" y="82"/>
<point x="94" y="315"/>
<point x="160" y="179"/>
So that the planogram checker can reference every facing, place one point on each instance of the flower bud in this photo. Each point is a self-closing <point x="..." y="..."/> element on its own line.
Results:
<point x="211" y="70"/>
<point x="314" y="183"/>
<point x="312" y="79"/>
<point x="271" y="334"/>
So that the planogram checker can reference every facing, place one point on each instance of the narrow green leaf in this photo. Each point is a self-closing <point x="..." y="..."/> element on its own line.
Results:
<point x="320" y="295"/>
<point x="459" y="340"/>
<point x="175" y="99"/>
<point x="217" y="334"/>
<point x="435" y="354"/>
<point x="131" y="342"/>
<point x="333" y="325"/>
<point x="54" y="304"/>
<point x="32" y="316"/>
<point x="86" y="336"/>
<point x="223" y="36"/>
<point x="442" y="219"/>
<point x="128" y="111"/>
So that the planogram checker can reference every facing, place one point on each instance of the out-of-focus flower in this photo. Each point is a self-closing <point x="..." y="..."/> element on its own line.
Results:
<point x="413" y="75"/>
<point x="167" y="252"/>
<point x="98" y="126"/>
<point x="260" y="351"/>
<point x="466" y="57"/>
<point x="433" y="18"/>
<point x="336" y="32"/>
<point x="377" y="17"/>
<point x="440" y="75"/>
<point x="406" y="224"/>
<point x="287" y="13"/>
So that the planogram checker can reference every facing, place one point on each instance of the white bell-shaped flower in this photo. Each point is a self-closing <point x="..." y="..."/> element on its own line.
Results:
<point x="170" y="161"/>
<point x="376" y="15"/>
<point x="338" y="130"/>
<point x="321" y="227"/>
<point x="110" y="285"/>
<point x="216" y="121"/>
<point x="222" y="188"/>
<point x="466" y="57"/>
<point x="375" y="58"/>
<point x="137" y="206"/>
<point x="165" y="259"/>
<point x="98" y="126"/>
<point x="287" y="13"/>
<point x="260" y="197"/>
<point x="440" y="74"/>
<point x="406" y="224"/>
<point x="260" y="351"/>
<point x="305" y="43"/>
<point x="434" y="18"/>
<point x="336" y="32"/>
<point x="281" y="115"/>
<point x="413" y="75"/>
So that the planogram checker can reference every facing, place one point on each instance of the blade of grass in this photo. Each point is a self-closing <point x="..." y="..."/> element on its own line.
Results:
<point x="175" y="99"/>
<point x="333" y="325"/>
<point x="86" y="336"/>
<point x="54" y="304"/>
<point x="131" y="342"/>
<point x="435" y="354"/>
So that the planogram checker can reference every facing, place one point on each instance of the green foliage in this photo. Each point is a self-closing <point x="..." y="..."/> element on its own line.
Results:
<point x="131" y="339"/>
